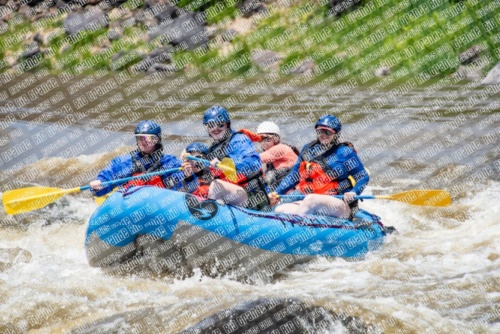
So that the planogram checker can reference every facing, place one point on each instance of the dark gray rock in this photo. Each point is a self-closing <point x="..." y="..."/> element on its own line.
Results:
<point x="266" y="59"/>
<point x="382" y="71"/>
<point x="470" y="55"/>
<point x="170" y="68"/>
<point x="183" y="29"/>
<point x="114" y="34"/>
<point x="279" y="315"/>
<point x="30" y="50"/>
<point x="338" y="7"/>
<point x="306" y="65"/>
<point x="33" y="3"/>
<point x="251" y="7"/>
<point x="276" y="316"/>
<point x="118" y="55"/>
<point x="91" y="21"/>
<point x="493" y="76"/>
<point x="162" y="55"/>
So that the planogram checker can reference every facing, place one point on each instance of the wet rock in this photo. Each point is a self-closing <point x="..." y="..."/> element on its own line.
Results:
<point x="9" y="257"/>
<point x="266" y="59"/>
<point x="279" y="315"/>
<point x="90" y="21"/>
<point x="276" y="315"/>
<point x="382" y="71"/>
<point x="493" y="76"/>
<point x="186" y="29"/>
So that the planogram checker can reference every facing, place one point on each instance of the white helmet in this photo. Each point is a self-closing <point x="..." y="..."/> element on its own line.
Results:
<point x="269" y="127"/>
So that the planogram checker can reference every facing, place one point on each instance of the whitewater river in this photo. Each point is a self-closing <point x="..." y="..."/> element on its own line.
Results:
<point x="440" y="274"/>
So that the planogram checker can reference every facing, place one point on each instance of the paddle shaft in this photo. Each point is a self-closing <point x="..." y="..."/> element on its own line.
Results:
<point x="336" y="196"/>
<point x="126" y="179"/>
<point x="423" y="197"/>
<point x="104" y="184"/>
<point x="190" y="157"/>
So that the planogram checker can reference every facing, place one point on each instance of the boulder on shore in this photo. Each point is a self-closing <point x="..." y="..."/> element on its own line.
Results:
<point x="493" y="76"/>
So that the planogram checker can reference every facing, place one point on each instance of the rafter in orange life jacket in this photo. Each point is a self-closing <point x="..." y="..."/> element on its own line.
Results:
<point x="316" y="176"/>
<point x="138" y="169"/>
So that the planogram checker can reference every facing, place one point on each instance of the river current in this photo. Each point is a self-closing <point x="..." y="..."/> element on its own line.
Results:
<point x="440" y="274"/>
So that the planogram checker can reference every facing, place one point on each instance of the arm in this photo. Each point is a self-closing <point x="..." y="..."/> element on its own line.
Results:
<point x="119" y="168"/>
<point x="177" y="181"/>
<point x="292" y="179"/>
<point x="274" y="153"/>
<point x="354" y="167"/>
<point x="246" y="159"/>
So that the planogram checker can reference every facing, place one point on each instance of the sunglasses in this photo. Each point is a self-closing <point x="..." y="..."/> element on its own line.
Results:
<point x="266" y="138"/>
<point x="147" y="138"/>
<point x="320" y="132"/>
<point x="200" y="156"/>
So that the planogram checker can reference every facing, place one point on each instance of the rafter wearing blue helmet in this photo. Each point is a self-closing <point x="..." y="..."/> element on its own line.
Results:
<point x="200" y="171"/>
<point x="250" y="189"/>
<point x="325" y="167"/>
<point x="147" y="158"/>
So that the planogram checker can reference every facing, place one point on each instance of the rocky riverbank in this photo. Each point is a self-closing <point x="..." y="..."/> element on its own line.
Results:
<point x="344" y="38"/>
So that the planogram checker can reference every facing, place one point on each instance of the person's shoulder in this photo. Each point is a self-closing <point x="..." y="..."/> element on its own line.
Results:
<point x="240" y="137"/>
<point x="123" y="157"/>
<point x="282" y="147"/>
<point x="345" y="150"/>
<point x="169" y="157"/>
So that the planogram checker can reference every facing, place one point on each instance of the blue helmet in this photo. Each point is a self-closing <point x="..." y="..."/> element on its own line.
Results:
<point x="216" y="114"/>
<point x="197" y="147"/>
<point x="329" y="121"/>
<point x="148" y="128"/>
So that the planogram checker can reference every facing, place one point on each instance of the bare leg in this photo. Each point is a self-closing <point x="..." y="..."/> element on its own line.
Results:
<point x="231" y="193"/>
<point x="323" y="204"/>
<point x="288" y="207"/>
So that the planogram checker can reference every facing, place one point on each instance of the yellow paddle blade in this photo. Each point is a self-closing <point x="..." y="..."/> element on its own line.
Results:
<point x="227" y="165"/>
<point x="33" y="198"/>
<point x="421" y="197"/>
<point x="99" y="200"/>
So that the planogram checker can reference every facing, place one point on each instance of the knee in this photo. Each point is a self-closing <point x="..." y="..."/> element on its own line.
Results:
<point x="281" y="209"/>
<point x="312" y="199"/>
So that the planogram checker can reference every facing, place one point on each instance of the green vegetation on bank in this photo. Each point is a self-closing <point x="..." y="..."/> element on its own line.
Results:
<point x="419" y="37"/>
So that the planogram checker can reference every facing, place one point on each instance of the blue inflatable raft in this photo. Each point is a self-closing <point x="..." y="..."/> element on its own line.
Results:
<point x="160" y="230"/>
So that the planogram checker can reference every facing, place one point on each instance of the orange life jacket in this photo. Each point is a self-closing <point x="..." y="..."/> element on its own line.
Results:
<point x="316" y="176"/>
<point x="155" y="180"/>
<point x="202" y="190"/>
